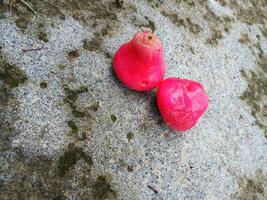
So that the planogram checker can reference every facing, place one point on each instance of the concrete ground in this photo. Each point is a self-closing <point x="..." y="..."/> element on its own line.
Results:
<point x="70" y="130"/>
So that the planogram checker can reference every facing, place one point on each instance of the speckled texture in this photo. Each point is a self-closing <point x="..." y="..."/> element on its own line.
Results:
<point x="70" y="130"/>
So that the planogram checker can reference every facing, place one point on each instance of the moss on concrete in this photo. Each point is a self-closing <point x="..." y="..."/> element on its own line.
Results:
<point x="113" y="118"/>
<point x="256" y="92"/>
<point x="174" y="18"/>
<point x="215" y="37"/>
<point x="11" y="75"/>
<point x="41" y="33"/>
<point x="82" y="120"/>
<point x="71" y="96"/>
<point x="70" y="158"/>
<point x="73" y="127"/>
<point x="130" y="136"/>
<point x="244" y="39"/>
<point x="42" y="178"/>
<point x="72" y="55"/>
<point x="147" y="24"/>
<point x="252" y="188"/>
<point x="193" y="27"/>
<point x="102" y="189"/>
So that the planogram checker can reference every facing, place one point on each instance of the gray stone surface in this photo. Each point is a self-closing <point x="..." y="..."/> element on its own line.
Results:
<point x="70" y="130"/>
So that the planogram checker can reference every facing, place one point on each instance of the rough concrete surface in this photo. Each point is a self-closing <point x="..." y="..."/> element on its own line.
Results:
<point x="70" y="130"/>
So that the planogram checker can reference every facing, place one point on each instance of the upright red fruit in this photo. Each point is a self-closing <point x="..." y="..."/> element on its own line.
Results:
<point x="181" y="102"/>
<point x="139" y="63"/>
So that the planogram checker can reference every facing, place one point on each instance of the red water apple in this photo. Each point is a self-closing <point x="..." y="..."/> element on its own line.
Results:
<point x="181" y="102"/>
<point x="139" y="63"/>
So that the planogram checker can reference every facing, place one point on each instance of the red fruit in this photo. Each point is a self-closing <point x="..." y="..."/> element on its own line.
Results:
<point x="181" y="102"/>
<point x="139" y="63"/>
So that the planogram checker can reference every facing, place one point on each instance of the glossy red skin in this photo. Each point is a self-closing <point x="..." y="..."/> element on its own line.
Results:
<point x="139" y="63"/>
<point x="181" y="102"/>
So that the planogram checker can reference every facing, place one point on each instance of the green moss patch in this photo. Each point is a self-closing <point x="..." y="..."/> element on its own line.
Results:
<point x="113" y="118"/>
<point x="130" y="136"/>
<point x="42" y="178"/>
<point x="11" y="75"/>
<point x="70" y="158"/>
<point x="73" y="126"/>
<point x="102" y="189"/>
<point x="71" y="96"/>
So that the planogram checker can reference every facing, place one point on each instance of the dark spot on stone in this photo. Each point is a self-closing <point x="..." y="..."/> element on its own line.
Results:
<point x="108" y="55"/>
<point x="222" y="2"/>
<point x="70" y="158"/>
<point x="192" y="50"/>
<point x="73" y="126"/>
<point x="151" y="25"/>
<point x="120" y="3"/>
<point x="160" y="121"/>
<point x="102" y="189"/>
<point x="43" y="85"/>
<point x="72" y="55"/>
<point x="129" y="168"/>
<point x="42" y="36"/>
<point x="41" y="33"/>
<point x="113" y="118"/>
<point x="130" y="136"/>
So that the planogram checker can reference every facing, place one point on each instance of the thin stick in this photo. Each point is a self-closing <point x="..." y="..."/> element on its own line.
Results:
<point x="30" y="8"/>
<point x="153" y="189"/>
<point x="100" y="80"/>
<point x="10" y="6"/>
<point x="36" y="49"/>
